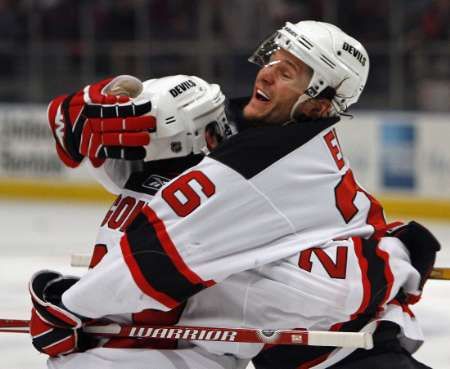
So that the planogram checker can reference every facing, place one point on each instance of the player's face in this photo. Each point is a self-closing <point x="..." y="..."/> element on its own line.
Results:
<point x="277" y="87"/>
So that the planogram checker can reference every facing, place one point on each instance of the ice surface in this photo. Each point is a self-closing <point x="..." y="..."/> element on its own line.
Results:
<point x="38" y="236"/>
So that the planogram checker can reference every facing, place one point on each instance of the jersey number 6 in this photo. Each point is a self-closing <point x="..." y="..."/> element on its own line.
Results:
<point x="181" y="195"/>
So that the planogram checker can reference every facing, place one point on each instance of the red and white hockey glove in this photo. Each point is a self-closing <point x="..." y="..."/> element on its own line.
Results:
<point x="96" y="124"/>
<point x="55" y="330"/>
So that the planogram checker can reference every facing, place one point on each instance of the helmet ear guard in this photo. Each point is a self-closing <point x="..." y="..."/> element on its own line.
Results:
<point x="338" y="61"/>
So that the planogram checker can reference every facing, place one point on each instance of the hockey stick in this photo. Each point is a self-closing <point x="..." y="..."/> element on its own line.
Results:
<point x="80" y="260"/>
<point x="83" y="260"/>
<point x="440" y="273"/>
<point x="247" y="335"/>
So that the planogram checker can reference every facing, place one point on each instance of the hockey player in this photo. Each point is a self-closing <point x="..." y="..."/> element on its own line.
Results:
<point x="269" y="230"/>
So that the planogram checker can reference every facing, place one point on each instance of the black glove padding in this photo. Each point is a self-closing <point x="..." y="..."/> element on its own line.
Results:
<point x="54" y="329"/>
<point x="422" y="246"/>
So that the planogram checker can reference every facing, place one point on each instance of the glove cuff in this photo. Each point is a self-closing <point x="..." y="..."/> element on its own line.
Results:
<point x="422" y="247"/>
<point x="61" y="132"/>
<point x="46" y="288"/>
<point x="416" y="237"/>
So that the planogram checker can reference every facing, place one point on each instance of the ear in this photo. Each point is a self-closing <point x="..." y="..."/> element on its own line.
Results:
<point x="316" y="108"/>
<point x="324" y="107"/>
<point x="211" y="140"/>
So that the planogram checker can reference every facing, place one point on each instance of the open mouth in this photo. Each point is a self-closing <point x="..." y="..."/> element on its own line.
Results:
<point x="261" y="95"/>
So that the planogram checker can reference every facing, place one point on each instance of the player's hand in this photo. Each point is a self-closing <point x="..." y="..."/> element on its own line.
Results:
<point x="422" y="247"/>
<point x="55" y="330"/>
<point x="100" y="122"/>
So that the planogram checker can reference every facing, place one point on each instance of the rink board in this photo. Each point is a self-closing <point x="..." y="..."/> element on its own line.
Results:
<point x="403" y="158"/>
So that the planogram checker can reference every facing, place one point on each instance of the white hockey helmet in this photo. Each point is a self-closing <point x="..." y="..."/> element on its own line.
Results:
<point x="337" y="59"/>
<point x="184" y="106"/>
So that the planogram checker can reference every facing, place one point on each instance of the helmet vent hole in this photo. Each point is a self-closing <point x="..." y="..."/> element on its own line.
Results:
<point x="305" y="42"/>
<point x="327" y="61"/>
<point x="170" y="120"/>
<point x="176" y="146"/>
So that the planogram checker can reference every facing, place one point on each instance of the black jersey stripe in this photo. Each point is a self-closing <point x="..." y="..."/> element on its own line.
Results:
<point x="378" y="275"/>
<point x="154" y="267"/>
<point x="259" y="146"/>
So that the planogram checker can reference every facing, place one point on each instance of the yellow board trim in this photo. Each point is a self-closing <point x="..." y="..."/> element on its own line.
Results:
<point x="53" y="191"/>
<point x="37" y="190"/>
<point x="415" y="207"/>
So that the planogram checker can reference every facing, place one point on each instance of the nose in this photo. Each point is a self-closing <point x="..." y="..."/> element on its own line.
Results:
<point x="267" y="74"/>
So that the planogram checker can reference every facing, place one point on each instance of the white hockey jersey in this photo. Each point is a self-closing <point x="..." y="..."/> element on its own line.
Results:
<point x="270" y="231"/>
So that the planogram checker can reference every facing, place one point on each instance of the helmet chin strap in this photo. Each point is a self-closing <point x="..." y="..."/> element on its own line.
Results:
<point x="301" y="99"/>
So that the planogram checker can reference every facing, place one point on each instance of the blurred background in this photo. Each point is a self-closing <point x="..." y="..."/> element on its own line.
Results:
<point x="48" y="47"/>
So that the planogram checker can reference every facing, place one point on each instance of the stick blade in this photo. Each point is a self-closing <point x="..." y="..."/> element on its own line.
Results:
<point x="440" y="273"/>
<point x="341" y="339"/>
<point x="80" y="260"/>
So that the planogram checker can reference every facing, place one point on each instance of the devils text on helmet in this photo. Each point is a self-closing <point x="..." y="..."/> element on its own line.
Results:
<point x="183" y="86"/>
<point x="355" y="52"/>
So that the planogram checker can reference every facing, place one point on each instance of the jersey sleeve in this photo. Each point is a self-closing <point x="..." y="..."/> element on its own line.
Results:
<point x="113" y="174"/>
<point x="205" y="225"/>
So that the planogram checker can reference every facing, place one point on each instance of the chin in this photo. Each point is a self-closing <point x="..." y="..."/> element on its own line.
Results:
<point x="252" y="114"/>
<point x="248" y="112"/>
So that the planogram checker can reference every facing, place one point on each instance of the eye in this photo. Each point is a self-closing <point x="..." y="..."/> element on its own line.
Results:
<point x="287" y="74"/>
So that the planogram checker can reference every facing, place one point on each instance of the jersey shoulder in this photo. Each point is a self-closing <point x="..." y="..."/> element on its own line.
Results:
<point x="257" y="147"/>
<point x="155" y="174"/>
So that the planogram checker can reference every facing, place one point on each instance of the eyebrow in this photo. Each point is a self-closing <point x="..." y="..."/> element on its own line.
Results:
<point x="289" y="62"/>
<point x="292" y="64"/>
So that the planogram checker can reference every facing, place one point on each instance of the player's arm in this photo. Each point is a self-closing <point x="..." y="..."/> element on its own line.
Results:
<point x="198" y="230"/>
<point x="204" y="226"/>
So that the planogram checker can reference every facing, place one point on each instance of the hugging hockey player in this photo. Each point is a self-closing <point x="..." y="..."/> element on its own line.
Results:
<point x="269" y="230"/>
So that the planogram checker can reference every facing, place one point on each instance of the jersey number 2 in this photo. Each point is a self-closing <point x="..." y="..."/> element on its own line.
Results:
<point x="182" y="196"/>
<point x="335" y="269"/>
